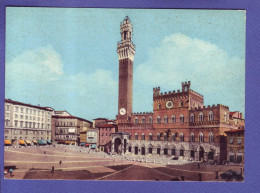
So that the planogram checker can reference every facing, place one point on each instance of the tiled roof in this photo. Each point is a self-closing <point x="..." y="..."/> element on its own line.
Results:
<point x="234" y="130"/>
<point x="70" y="117"/>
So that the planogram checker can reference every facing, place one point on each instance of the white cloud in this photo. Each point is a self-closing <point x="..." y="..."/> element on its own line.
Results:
<point x="37" y="77"/>
<point x="209" y="68"/>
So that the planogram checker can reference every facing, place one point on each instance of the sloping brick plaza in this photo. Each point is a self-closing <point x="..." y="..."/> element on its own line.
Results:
<point x="75" y="163"/>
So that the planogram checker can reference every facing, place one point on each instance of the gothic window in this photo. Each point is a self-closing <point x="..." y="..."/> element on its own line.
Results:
<point x="165" y="137"/>
<point x="150" y="136"/>
<point x="158" y="137"/>
<point x="192" y="118"/>
<point x="182" y="118"/>
<point x="192" y="137"/>
<point x="201" y="116"/>
<point x="159" y="120"/>
<point x="159" y="106"/>
<point x="173" y="151"/>
<point x="143" y="136"/>
<point x="150" y="120"/>
<point x="136" y="120"/>
<point x="173" y="137"/>
<point x="173" y="119"/>
<point x="211" y="116"/>
<point x="143" y="120"/>
<point x="181" y="103"/>
<point x="201" y="138"/>
<point x="181" y="137"/>
<point x="136" y="136"/>
<point x="211" y="137"/>
<point x="165" y="119"/>
<point x="181" y="152"/>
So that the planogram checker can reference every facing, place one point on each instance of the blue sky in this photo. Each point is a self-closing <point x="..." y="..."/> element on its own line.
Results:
<point x="66" y="58"/>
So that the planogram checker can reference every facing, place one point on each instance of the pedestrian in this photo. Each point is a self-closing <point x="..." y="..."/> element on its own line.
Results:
<point x="60" y="162"/>
<point x="11" y="172"/>
<point x="52" y="169"/>
<point x="198" y="166"/>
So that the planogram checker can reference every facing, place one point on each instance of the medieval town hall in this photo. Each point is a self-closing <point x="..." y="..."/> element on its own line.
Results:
<point x="180" y="125"/>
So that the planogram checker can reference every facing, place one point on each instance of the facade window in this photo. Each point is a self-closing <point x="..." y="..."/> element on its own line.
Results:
<point x="21" y="132"/>
<point x="7" y="122"/>
<point x="150" y="150"/>
<point x="192" y="137"/>
<point x="165" y="137"/>
<point x="143" y="137"/>
<point x="165" y="119"/>
<point x="21" y="109"/>
<point x="38" y="113"/>
<point x="42" y="125"/>
<point x="211" y="116"/>
<point x="136" y="136"/>
<point x="34" y="125"/>
<point x="211" y="137"/>
<point x="26" y="117"/>
<point x="21" y="123"/>
<point x="30" y="111"/>
<point x="26" y="132"/>
<point x="34" y="112"/>
<point x="173" y="152"/>
<point x="181" y="152"/>
<point x="159" y="106"/>
<point x="38" y="125"/>
<point x="143" y="120"/>
<point x="8" y="107"/>
<point x="192" y="118"/>
<point x="201" y="116"/>
<point x="30" y="125"/>
<point x="159" y="120"/>
<point x="16" y="123"/>
<point x="150" y="137"/>
<point x="26" y="110"/>
<point x="225" y="116"/>
<point x="181" y="103"/>
<point x="150" y="120"/>
<point x="181" y="118"/>
<point x="173" y="119"/>
<point x="239" y="141"/>
<point x="181" y="137"/>
<point x="158" y="150"/>
<point x="26" y="124"/>
<point x="201" y="138"/>
<point x="158" y="137"/>
<point x="173" y="137"/>
<point x="136" y="120"/>
<point x="7" y="115"/>
<point x="231" y="140"/>
<point x="16" y="109"/>
<point x="16" y="116"/>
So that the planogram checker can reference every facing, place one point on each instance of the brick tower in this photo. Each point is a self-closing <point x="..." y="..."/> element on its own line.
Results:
<point x="126" y="52"/>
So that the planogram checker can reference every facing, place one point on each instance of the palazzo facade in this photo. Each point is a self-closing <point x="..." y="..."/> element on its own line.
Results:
<point x="180" y="125"/>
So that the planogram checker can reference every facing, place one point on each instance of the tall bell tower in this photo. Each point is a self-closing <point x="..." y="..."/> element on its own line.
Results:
<point x="126" y="52"/>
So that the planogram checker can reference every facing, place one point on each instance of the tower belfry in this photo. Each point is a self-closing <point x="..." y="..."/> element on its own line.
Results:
<point x="126" y="52"/>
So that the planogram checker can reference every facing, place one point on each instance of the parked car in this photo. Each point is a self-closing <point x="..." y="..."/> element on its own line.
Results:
<point x="230" y="175"/>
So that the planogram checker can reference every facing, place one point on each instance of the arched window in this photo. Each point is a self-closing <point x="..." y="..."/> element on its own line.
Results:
<point x="181" y="103"/>
<point x="165" y="137"/>
<point x="143" y="120"/>
<point x="201" y="116"/>
<point x="192" y="118"/>
<point x="211" y="116"/>
<point x="165" y="119"/>
<point x="182" y="118"/>
<point x="225" y="116"/>
<point x="201" y="137"/>
<point x="158" y="137"/>
<point x="159" y="120"/>
<point x="173" y="119"/>
<point x="181" y="152"/>
<point x="173" y="137"/>
<point x="136" y="136"/>
<point x="211" y="137"/>
<point x="173" y="151"/>
<point x="150" y="120"/>
<point x="192" y="137"/>
<point x="181" y="137"/>
<point x="136" y="120"/>
<point x="150" y="136"/>
<point x="159" y="106"/>
<point x="143" y="136"/>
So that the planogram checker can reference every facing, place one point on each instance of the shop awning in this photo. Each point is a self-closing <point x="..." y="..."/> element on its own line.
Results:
<point x="8" y="142"/>
<point x="27" y="142"/>
<point x="93" y="146"/>
<point x="21" y="142"/>
<point x="82" y="144"/>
